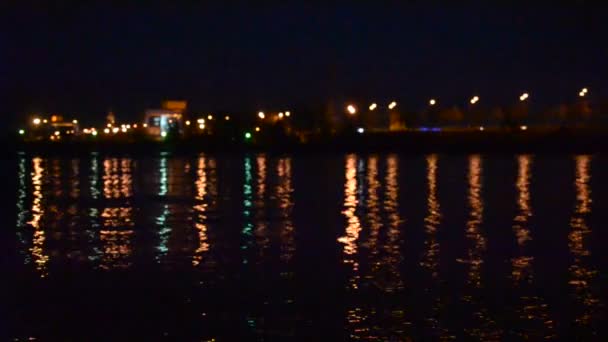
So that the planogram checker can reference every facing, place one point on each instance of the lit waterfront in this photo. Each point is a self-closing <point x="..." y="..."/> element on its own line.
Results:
<point x="361" y="246"/>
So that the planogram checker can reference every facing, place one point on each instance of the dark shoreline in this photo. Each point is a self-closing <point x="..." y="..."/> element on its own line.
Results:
<point x="555" y="142"/>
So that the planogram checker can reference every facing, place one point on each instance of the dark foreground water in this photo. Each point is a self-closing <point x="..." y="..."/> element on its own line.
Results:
<point x="261" y="247"/>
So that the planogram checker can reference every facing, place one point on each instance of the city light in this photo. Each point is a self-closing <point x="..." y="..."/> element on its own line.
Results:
<point x="287" y="114"/>
<point x="257" y="129"/>
<point x="94" y="133"/>
<point x="373" y="106"/>
<point x="124" y="129"/>
<point x="226" y="117"/>
<point x="134" y="125"/>
<point x="583" y="92"/>
<point x="201" y="126"/>
<point x="57" y="133"/>
<point x="247" y="135"/>
<point x="280" y="115"/>
<point x="106" y="130"/>
<point x="74" y="121"/>
<point x="128" y="126"/>
<point x="187" y="122"/>
<point x="36" y="121"/>
<point x="392" y="105"/>
<point x="21" y="132"/>
<point x="432" y="102"/>
<point x="115" y="130"/>
<point x="210" y="117"/>
<point x="145" y="125"/>
<point x="163" y="134"/>
<point x="45" y="121"/>
<point x="360" y="130"/>
<point x="201" y="121"/>
<point x="523" y="97"/>
<point x="523" y="127"/>
<point x="474" y="100"/>
<point x="352" y="110"/>
<point x="261" y="115"/>
<point x="481" y="128"/>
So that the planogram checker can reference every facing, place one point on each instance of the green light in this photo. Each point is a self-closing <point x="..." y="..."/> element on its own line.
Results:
<point x="21" y="132"/>
<point x="247" y="135"/>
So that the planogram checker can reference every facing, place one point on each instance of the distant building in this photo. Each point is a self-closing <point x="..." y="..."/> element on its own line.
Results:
<point x="168" y="121"/>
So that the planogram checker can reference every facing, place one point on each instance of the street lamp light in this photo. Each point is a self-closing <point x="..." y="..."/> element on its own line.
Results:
<point x="432" y="102"/>
<point x="261" y="115"/>
<point x="36" y="121"/>
<point x="524" y="97"/>
<point x="474" y="100"/>
<point x="373" y="106"/>
<point x="583" y="92"/>
<point x="351" y="109"/>
<point x="287" y="114"/>
<point x="392" y="105"/>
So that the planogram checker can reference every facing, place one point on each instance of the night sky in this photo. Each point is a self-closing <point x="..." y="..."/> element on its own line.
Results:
<point x="84" y="60"/>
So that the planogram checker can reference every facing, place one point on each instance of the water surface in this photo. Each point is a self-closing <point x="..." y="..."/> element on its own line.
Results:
<point x="266" y="247"/>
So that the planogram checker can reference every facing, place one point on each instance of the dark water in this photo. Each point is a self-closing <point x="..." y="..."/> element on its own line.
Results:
<point x="260" y="247"/>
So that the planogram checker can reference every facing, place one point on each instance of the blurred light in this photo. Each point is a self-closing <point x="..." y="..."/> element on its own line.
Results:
<point x="109" y="125"/>
<point x="581" y="94"/>
<point x="145" y="125"/>
<point x="210" y="117"/>
<point x="128" y="126"/>
<point x="432" y="102"/>
<point x="360" y="130"/>
<point x="45" y="121"/>
<point x="247" y="135"/>
<point x="115" y="130"/>
<point x="21" y="132"/>
<point x="523" y="127"/>
<point x="36" y="121"/>
<point x="163" y="134"/>
<point x="523" y="97"/>
<point x="57" y="133"/>
<point x="392" y="105"/>
<point x="261" y="115"/>
<point x="584" y="90"/>
<point x="257" y="129"/>
<point x="280" y="115"/>
<point x="201" y="126"/>
<point x="474" y="99"/>
<point x="94" y="133"/>
<point x="287" y="114"/>
<point x="200" y="121"/>
<point x="106" y="130"/>
<point x="124" y="129"/>
<point x="226" y="117"/>
<point x="352" y="110"/>
<point x="86" y="131"/>
<point x="134" y="125"/>
<point x="74" y="121"/>
<point x="187" y="122"/>
<point x="373" y="106"/>
<point x="481" y="128"/>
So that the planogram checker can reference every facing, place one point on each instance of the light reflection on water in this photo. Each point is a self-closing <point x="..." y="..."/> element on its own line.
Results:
<point x="118" y="213"/>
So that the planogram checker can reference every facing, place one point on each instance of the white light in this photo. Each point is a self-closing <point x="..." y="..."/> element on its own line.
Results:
<point x="481" y="128"/>
<point x="373" y="106"/>
<point x="351" y="109"/>
<point x="584" y="90"/>
<point x="21" y="132"/>
<point x="581" y="94"/>
<point x="187" y="122"/>
<point x="106" y="130"/>
<point x="57" y="133"/>
<point x="226" y="117"/>
<point x="45" y="121"/>
<point x="124" y="129"/>
<point x="257" y="129"/>
<point x="94" y="133"/>
<point x="523" y="127"/>
<point x="280" y="115"/>
<point x="392" y="105"/>
<point x="200" y="121"/>
<point x="145" y="125"/>
<point x="287" y="114"/>
<point x="163" y="134"/>
<point x="210" y="117"/>
<point x="261" y="115"/>
<point x="201" y="126"/>
<point x="115" y="130"/>
<point x="360" y="130"/>
<point x="74" y="121"/>
<point x="432" y="102"/>
<point x="36" y="121"/>
<point x="128" y="126"/>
